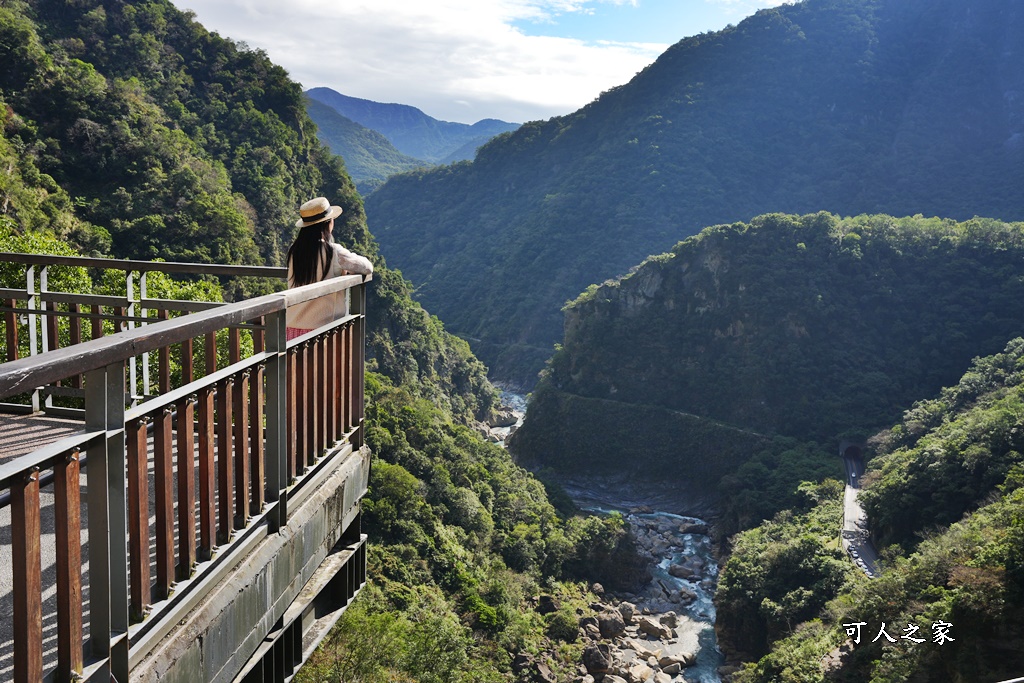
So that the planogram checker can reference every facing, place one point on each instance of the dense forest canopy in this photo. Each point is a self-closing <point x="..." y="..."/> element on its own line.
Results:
<point x="128" y="130"/>
<point x="741" y="358"/>
<point x="848" y="106"/>
<point x="946" y="486"/>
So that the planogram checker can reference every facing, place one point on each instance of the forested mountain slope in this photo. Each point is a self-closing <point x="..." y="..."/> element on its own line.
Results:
<point x="369" y="157"/>
<point x="129" y="130"/>
<point x="710" y="363"/>
<point x="410" y="130"/>
<point x="849" y="106"/>
<point x="947" y="485"/>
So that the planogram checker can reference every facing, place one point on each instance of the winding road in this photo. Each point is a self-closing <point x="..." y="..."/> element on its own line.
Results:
<point x="855" y="522"/>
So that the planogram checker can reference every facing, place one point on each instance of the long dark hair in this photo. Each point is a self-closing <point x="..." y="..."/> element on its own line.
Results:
<point x="308" y="251"/>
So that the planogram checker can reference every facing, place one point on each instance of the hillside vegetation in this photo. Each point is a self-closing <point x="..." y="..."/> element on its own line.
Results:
<point x="750" y="350"/>
<point x="951" y="467"/>
<point x="848" y="106"/>
<point x="128" y="130"/>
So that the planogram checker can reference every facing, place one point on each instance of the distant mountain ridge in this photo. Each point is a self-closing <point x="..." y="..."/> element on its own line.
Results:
<point x="369" y="156"/>
<point x="411" y="131"/>
<point x="849" y="106"/>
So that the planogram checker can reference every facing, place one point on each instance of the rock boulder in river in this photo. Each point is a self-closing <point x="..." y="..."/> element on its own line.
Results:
<point x="611" y="623"/>
<point x="597" y="659"/>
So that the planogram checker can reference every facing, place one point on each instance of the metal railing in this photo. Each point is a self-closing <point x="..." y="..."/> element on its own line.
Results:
<point x="231" y="450"/>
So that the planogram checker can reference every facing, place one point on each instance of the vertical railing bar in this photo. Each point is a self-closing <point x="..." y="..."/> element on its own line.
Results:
<point x="33" y="342"/>
<point x="210" y="353"/>
<point x="242" y="474"/>
<point x="257" y="477"/>
<point x="207" y="490"/>
<point x="186" y="488"/>
<point x="321" y="388"/>
<point x="163" y="488"/>
<point x="144" y="313"/>
<point x="108" y="529"/>
<point x="350" y="385"/>
<point x="75" y="336"/>
<point x="301" y="422"/>
<point x="96" y="324"/>
<point x="343" y="378"/>
<point x="331" y="356"/>
<point x="187" y="364"/>
<point x="278" y="416"/>
<point x="163" y="361"/>
<point x="309" y="351"/>
<point x="12" y="330"/>
<point x="26" y="561"/>
<point x="234" y="345"/>
<point x="225" y="460"/>
<point x="68" y="537"/>
<point x="138" y="518"/>
<point x="292" y="403"/>
<point x="133" y="371"/>
<point x="359" y="307"/>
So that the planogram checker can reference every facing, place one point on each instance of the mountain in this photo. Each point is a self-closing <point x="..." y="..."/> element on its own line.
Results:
<point x="411" y="131"/>
<point x="848" y="106"/>
<point x="129" y="130"/>
<point x="947" y="483"/>
<point x="739" y="361"/>
<point x="369" y="157"/>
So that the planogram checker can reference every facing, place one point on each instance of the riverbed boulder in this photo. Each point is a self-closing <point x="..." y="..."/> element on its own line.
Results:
<point x="503" y="417"/>
<point x="597" y="658"/>
<point x="639" y="673"/>
<point x="693" y="527"/>
<point x="627" y="610"/>
<point x="670" y="619"/>
<point x="653" y="628"/>
<point x="611" y="623"/>
<point x="683" y="571"/>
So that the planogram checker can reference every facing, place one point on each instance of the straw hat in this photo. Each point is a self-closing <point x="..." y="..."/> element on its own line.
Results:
<point x="316" y="211"/>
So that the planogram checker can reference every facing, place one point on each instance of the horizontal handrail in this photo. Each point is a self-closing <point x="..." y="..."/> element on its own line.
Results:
<point x="146" y="266"/>
<point x="27" y="373"/>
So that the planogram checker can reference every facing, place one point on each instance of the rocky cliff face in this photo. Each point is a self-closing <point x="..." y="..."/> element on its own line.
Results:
<point x="802" y="326"/>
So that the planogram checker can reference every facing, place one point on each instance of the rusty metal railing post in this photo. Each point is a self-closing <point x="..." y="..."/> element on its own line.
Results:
<point x="276" y="453"/>
<point x="108" y="518"/>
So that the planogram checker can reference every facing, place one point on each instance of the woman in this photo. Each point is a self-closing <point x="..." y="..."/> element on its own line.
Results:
<point x="313" y="257"/>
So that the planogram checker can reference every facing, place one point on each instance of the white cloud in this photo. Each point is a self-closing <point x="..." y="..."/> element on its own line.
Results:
<point x="458" y="60"/>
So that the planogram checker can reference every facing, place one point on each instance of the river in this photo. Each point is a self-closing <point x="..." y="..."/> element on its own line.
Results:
<point x="674" y="542"/>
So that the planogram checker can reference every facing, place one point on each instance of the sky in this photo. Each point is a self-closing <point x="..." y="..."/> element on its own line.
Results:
<point x="466" y="60"/>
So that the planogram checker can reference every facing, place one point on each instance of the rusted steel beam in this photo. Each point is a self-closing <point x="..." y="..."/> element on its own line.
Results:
<point x="207" y="489"/>
<point x="225" y="461"/>
<point x="164" y="494"/>
<point x="26" y="577"/>
<point x="138" y="518"/>
<point x="186" y="489"/>
<point x="242" y="474"/>
<point x="68" y="528"/>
